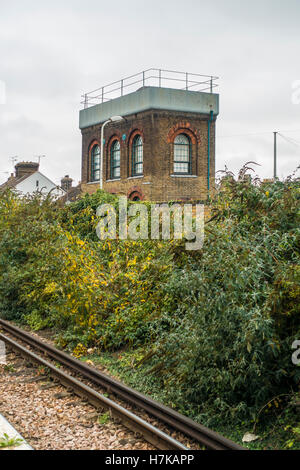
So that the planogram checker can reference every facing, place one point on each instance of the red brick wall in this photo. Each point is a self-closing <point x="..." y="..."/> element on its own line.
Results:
<point x="158" y="129"/>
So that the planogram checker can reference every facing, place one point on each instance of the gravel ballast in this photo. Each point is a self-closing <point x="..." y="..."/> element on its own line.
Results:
<point x="51" y="418"/>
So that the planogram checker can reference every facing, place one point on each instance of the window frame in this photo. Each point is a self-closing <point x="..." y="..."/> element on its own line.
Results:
<point x="134" y="155"/>
<point x="94" y="169"/>
<point x="183" y="162"/>
<point x="113" y="167"/>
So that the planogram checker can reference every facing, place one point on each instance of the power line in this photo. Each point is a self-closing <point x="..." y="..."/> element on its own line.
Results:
<point x="287" y="139"/>
<point x="290" y="140"/>
<point x="242" y="135"/>
<point x="288" y="132"/>
<point x="254" y="134"/>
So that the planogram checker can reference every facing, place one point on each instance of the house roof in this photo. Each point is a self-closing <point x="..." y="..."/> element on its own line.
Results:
<point x="12" y="182"/>
<point x="72" y="194"/>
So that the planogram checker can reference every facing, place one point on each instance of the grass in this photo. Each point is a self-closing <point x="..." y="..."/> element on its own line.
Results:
<point x="9" y="368"/>
<point x="7" y="442"/>
<point x="104" y="419"/>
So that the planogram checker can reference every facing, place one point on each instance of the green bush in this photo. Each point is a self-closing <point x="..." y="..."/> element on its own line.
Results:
<point x="217" y="325"/>
<point x="52" y="275"/>
<point x="224" y="344"/>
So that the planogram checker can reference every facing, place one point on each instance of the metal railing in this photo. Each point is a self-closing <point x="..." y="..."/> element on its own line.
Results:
<point x="151" y="77"/>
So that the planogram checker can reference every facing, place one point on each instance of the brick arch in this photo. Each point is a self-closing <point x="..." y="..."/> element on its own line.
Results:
<point x="92" y="144"/>
<point x="133" y="133"/>
<point x="116" y="136"/>
<point x="113" y="139"/>
<point x="89" y="162"/>
<point x="194" y="136"/>
<point x="135" y="191"/>
<point x="131" y="136"/>
<point x="184" y="128"/>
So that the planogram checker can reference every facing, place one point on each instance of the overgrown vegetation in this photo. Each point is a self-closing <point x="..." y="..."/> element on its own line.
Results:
<point x="7" y="442"/>
<point x="213" y="328"/>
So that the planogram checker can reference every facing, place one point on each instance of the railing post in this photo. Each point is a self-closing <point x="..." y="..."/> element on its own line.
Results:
<point x="207" y="81"/>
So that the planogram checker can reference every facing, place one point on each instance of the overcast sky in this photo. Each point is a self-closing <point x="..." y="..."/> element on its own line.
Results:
<point x="53" y="51"/>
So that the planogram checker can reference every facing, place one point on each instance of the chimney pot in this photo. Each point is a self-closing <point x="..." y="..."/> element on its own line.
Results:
<point x="26" y="168"/>
<point x="66" y="183"/>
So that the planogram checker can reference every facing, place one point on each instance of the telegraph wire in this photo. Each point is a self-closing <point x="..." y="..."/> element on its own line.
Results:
<point x="290" y="140"/>
<point x="255" y="134"/>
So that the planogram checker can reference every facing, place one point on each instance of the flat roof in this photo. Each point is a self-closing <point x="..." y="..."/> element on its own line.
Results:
<point x="148" y="98"/>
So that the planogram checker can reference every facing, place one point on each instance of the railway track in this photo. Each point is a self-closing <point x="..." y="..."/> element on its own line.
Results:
<point x="204" y="436"/>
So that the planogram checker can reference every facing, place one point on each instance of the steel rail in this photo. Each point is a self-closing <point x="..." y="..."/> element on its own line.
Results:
<point x="150" y="433"/>
<point x="210" y="439"/>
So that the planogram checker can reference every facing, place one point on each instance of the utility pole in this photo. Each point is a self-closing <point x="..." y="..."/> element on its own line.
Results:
<point x="275" y="156"/>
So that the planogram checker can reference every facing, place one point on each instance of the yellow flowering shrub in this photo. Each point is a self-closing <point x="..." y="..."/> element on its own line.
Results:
<point x="99" y="293"/>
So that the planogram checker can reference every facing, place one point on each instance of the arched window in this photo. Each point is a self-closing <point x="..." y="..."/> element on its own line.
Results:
<point x="136" y="196"/>
<point x="115" y="160"/>
<point x="137" y="156"/>
<point x="95" y="163"/>
<point x="182" y="155"/>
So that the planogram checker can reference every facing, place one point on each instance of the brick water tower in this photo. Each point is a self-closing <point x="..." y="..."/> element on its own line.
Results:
<point x="164" y="148"/>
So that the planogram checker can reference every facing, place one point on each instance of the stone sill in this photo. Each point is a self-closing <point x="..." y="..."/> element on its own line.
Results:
<point x="184" y="176"/>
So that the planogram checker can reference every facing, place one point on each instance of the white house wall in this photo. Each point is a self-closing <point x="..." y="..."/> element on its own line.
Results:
<point x="38" y="182"/>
